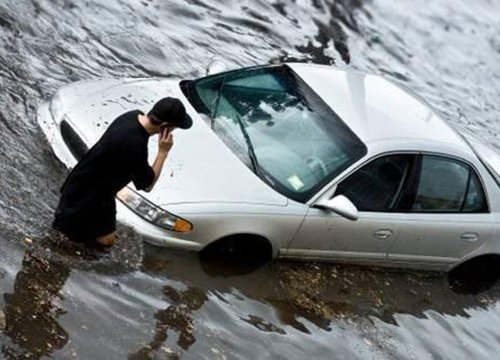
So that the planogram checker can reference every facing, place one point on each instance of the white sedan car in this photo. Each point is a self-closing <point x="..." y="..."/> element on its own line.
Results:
<point x="299" y="161"/>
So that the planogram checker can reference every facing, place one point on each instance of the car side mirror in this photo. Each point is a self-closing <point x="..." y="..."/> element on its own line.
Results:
<point x="340" y="205"/>
<point x="215" y="66"/>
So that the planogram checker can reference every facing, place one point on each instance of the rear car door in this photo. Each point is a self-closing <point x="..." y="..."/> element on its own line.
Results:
<point x="447" y="213"/>
<point x="374" y="189"/>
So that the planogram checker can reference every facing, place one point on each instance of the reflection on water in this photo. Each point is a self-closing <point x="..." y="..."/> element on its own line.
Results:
<point x="323" y="291"/>
<point x="307" y="299"/>
<point x="177" y="317"/>
<point x="32" y="309"/>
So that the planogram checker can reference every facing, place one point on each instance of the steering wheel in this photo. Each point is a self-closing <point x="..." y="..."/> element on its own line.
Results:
<point x="314" y="162"/>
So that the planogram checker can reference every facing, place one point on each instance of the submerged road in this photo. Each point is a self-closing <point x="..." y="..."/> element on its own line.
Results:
<point x="139" y="302"/>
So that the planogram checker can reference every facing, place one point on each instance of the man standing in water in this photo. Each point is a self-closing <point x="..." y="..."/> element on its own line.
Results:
<point x="86" y="211"/>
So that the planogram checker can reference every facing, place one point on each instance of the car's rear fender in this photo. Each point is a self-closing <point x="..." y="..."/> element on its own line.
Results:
<point x="487" y="249"/>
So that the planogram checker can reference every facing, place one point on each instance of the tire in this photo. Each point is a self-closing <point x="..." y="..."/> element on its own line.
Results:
<point x="475" y="275"/>
<point x="239" y="248"/>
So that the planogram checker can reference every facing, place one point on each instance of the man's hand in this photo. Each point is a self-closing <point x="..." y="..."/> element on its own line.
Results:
<point x="165" y="140"/>
<point x="165" y="143"/>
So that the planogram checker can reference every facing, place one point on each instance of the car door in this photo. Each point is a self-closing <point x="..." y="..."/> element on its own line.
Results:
<point x="374" y="189"/>
<point x="447" y="213"/>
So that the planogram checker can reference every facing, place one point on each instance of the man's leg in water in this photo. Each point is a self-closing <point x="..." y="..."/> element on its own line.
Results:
<point x="107" y="240"/>
<point x="104" y="223"/>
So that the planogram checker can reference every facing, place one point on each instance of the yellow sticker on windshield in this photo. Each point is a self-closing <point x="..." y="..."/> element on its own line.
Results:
<point x="295" y="181"/>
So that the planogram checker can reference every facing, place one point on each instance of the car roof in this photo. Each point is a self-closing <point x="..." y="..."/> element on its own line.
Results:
<point x="377" y="109"/>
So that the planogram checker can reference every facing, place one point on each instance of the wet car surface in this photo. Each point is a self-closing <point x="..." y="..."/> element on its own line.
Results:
<point x="63" y="302"/>
<point x="371" y="152"/>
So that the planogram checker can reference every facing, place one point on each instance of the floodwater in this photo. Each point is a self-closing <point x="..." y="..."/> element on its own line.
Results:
<point x="139" y="302"/>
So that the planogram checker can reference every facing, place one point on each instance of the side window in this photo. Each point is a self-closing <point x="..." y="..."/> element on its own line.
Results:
<point x="446" y="185"/>
<point x="475" y="201"/>
<point x="442" y="185"/>
<point x="376" y="186"/>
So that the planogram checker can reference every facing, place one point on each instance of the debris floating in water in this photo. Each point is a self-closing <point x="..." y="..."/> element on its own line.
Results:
<point x="3" y="322"/>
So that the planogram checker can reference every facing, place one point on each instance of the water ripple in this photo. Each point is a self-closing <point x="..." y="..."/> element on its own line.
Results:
<point x="59" y="301"/>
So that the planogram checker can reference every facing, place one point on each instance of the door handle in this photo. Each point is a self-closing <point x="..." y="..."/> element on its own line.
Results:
<point x="469" y="237"/>
<point x="382" y="234"/>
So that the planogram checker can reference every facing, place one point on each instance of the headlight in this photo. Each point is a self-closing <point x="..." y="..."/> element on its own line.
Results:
<point x="56" y="107"/>
<point x="152" y="213"/>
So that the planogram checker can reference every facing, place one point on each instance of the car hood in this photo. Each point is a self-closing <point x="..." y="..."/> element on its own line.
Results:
<point x="200" y="167"/>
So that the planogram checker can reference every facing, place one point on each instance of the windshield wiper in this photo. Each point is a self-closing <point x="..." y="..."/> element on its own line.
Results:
<point x="217" y="99"/>
<point x="251" y="151"/>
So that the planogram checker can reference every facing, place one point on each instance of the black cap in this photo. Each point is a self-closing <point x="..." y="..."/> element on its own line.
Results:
<point x="172" y="111"/>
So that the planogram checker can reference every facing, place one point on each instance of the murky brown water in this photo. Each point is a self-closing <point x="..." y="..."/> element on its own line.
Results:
<point x="139" y="302"/>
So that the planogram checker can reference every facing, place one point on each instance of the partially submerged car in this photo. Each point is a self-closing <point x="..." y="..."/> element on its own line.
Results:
<point x="299" y="161"/>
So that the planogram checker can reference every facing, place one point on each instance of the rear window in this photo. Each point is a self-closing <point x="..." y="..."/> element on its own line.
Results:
<point x="488" y="156"/>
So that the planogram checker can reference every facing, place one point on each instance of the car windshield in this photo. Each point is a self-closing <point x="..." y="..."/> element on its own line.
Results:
<point x="278" y="127"/>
